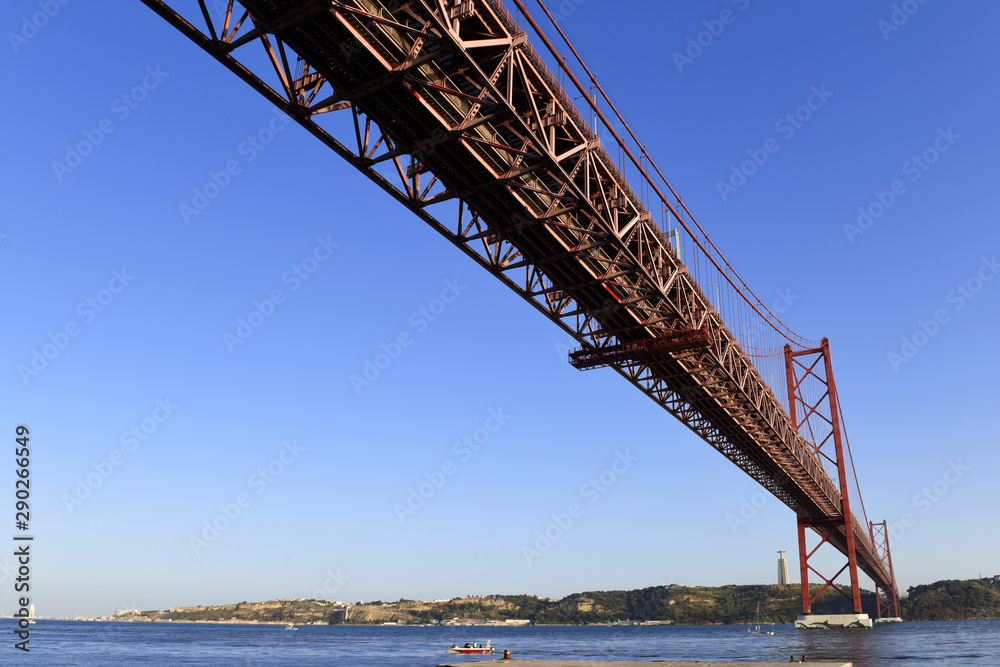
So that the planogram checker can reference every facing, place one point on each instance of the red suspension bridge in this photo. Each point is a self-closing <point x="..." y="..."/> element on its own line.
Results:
<point x="447" y="106"/>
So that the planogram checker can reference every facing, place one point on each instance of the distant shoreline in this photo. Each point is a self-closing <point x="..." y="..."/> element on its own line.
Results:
<point x="947" y="600"/>
<point x="402" y="625"/>
<point x="460" y="627"/>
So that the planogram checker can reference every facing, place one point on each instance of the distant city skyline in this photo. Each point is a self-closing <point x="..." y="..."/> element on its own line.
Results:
<point x="249" y="374"/>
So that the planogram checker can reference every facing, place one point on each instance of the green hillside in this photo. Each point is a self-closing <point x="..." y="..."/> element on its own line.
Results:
<point x="953" y="600"/>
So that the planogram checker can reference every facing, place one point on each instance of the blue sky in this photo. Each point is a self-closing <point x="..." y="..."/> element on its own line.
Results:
<point x="353" y="270"/>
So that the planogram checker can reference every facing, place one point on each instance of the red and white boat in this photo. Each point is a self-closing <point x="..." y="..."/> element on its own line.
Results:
<point x="471" y="648"/>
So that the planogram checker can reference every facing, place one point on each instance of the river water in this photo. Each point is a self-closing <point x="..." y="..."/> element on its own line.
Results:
<point x="90" y="643"/>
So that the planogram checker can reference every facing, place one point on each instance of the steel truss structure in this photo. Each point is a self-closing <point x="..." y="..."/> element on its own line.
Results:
<point x="477" y="138"/>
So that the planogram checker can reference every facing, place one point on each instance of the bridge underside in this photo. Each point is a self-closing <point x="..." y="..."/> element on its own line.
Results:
<point x="456" y="116"/>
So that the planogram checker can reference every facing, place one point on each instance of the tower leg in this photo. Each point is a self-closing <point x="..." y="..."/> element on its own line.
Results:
<point x="804" y="568"/>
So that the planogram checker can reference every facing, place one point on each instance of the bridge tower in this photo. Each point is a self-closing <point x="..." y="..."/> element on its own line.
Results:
<point x="814" y="410"/>
<point x="886" y="597"/>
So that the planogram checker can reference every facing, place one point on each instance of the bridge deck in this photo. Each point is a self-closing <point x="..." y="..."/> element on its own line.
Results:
<point x="463" y="110"/>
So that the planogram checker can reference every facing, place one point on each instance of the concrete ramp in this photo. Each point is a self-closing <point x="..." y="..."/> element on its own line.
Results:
<point x="652" y="663"/>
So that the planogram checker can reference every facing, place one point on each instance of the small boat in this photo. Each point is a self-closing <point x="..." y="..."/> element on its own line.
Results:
<point x="291" y="626"/>
<point x="755" y="628"/>
<point x="471" y="648"/>
<point x="31" y="614"/>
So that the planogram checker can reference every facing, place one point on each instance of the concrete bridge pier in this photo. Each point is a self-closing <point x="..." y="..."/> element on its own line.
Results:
<point x="832" y="621"/>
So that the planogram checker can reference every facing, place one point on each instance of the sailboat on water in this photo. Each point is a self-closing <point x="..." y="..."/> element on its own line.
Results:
<point x="31" y="613"/>
<point x="760" y="627"/>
